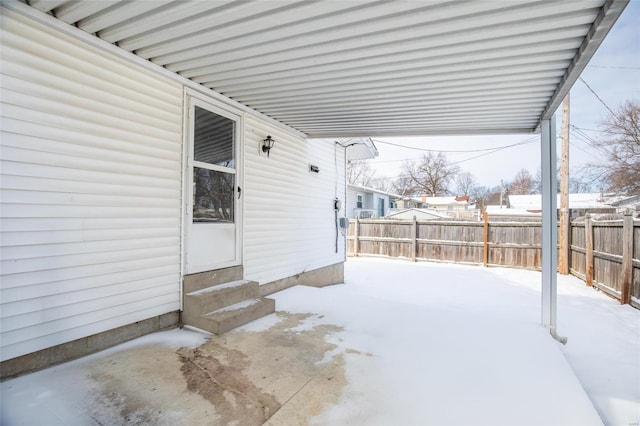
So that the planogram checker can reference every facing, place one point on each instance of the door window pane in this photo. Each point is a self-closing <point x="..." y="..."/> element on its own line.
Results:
<point x="213" y="138"/>
<point x="213" y="196"/>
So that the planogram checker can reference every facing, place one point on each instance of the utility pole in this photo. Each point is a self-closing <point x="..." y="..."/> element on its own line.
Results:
<point x="565" y="225"/>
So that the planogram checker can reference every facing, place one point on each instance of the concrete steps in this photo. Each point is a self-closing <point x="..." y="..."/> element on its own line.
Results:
<point x="217" y="306"/>
<point x="233" y="316"/>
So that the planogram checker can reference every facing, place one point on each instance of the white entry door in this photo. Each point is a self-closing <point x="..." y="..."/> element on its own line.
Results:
<point x="213" y="207"/>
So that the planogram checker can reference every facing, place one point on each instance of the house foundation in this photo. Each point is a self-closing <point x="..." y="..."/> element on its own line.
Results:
<point x="86" y="345"/>
<point x="321" y="277"/>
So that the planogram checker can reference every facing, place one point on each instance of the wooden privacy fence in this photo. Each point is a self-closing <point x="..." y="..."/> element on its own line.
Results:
<point x="606" y="254"/>
<point x="609" y="250"/>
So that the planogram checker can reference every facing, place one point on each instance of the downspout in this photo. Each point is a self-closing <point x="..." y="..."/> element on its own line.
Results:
<point x="336" y="201"/>
<point x="549" y="228"/>
<point x="344" y="171"/>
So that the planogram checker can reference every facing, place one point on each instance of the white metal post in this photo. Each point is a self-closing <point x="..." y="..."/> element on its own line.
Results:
<point x="549" y="226"/>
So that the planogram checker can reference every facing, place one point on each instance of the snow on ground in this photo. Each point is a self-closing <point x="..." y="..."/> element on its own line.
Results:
<point x="428" y="343"/>
<point x="453" y="344"/>
<point x="603" y="347"/>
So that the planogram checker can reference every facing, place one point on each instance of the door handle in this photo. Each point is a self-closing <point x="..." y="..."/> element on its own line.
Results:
<point x="239" y="192"/>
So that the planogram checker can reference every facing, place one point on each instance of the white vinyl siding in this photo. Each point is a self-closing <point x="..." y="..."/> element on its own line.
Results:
<point x="91" y="190"/>
<point x="289" y="223"/>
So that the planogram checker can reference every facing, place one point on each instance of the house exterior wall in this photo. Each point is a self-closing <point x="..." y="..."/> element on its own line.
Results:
<point x="352" y="202"/>
<point x="92" y="169"/>
<point x="286" y="233"/>
<point x="370" y="201"/>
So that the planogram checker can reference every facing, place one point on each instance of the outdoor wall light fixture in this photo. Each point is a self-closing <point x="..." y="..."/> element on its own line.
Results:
<point x="267" y="144"/>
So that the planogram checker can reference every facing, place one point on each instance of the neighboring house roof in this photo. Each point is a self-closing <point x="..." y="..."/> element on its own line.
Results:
<point x="497" y="211"/>
<point x="441" y="201"/>
<point x="632" y="201"/>
<point x="324" y="69"/>
<point x="356" y="148"/>
<point x="359" y="148"/>
<point x="576" y="201"/>
<point x="446" y="201"/>
<point x="366" y="189"/>
<point x="418" y="213"/>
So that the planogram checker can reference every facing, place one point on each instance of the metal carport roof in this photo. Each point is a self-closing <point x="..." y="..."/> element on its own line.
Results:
<point x="365" y="68"/>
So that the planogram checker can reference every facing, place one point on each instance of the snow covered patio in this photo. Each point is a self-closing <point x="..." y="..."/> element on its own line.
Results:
<point x="400" y="343"/>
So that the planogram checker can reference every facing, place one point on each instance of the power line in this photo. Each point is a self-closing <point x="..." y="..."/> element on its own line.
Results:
<point x="608" y="132"/>
<point x="491" y="151"/>
<point x="596" y="95"/>
<point x="575" y="145"/>
<point x="614" y="67"/>
<point x="580" y="132"/>
<point x="454" y="150"/>
<point x="588" y="130"/>
<point x="579" y="147"/>
<point x="474" y="157"/>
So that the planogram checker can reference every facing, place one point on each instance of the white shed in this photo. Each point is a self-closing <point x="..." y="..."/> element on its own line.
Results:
<point x="419" y="214"/>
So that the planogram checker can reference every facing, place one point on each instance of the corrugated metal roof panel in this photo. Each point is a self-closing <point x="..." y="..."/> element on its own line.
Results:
<point x="332" y="68"/>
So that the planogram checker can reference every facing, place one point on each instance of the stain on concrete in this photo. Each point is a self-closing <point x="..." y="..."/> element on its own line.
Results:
<point x="144" y="386"/>
<point x="284" y="375"/>
<point x="249" y="376"/>
<point x="224" y="384"/>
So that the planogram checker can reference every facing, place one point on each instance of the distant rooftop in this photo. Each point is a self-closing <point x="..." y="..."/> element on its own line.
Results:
<point x="576" y="201"/>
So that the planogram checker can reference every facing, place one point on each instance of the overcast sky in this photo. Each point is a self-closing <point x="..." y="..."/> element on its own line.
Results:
<point x="613" y="73"/>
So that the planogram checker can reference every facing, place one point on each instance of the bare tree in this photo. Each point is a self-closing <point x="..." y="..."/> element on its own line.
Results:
<point x="580" y="182"/>
<point x="404" y="185"/>
<point x="431" y="174"/>
<point x="381" y="183"/>
<point x="465" y="182"/>
<point x="484" y="196"/>
<point x="359" y="172"/>
<point x="522" y="184"/>
<point x="622" y="144"/>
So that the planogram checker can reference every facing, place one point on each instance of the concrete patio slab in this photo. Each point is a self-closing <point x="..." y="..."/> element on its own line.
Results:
<point x="348" y="354"/>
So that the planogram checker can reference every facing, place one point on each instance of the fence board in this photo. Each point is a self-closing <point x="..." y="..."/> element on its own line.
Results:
<point x="510" y="244"/>
<point x="577" y="253"/>
<point x="607" y="254"/>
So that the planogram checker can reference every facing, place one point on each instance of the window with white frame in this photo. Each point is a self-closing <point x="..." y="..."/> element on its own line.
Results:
<point x="359" y="198"/>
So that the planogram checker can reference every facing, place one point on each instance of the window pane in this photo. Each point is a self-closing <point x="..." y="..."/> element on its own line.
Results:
<point x="213" y="138"/>
<point x="214" y="196"/>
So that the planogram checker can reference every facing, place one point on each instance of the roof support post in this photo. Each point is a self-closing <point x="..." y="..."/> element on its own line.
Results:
<point x="549" y="227"/>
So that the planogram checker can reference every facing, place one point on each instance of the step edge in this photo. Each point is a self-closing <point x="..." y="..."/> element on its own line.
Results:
<point x="221" y="287"/>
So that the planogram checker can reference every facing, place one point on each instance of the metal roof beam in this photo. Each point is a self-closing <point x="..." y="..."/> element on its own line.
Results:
<point x="390" y="94"/>
<point x="425" y="66"/>
<point x="525" y="92"/>
<point x="608" y="15"/>
<point x="533" y="69"/>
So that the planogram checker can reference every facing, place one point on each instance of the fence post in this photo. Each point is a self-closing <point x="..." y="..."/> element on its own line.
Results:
<point x="588" y="247"/>
<point x="356" y="239"/>
<point x="414" y="233"/>
<point x="564" y="242"/>
<point x="627" y="257"/>
<point x="485" y="237"/>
